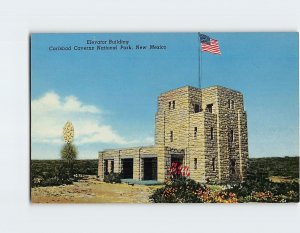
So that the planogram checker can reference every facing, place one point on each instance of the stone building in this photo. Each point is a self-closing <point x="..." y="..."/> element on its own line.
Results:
<point x="204" y="129"/>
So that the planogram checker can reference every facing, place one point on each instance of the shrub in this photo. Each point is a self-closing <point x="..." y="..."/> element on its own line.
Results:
<point x="58" y="171"/>
<point x="57" y="176"/>
<point x="181" y="189"/>
<point x="208" y="196"/>
<point x="186" y="190"/>
<point x="112" y="178"/>
<point x="263" y="190"/>
<point x="176" y="171"/>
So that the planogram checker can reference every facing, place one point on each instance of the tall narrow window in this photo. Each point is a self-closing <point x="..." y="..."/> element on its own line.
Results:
<point x="231" y="138"/>
<point x="232" y="163"/>
<point x="195" y="132"/>
<point x="211" y="133"/>
<point x="213" y="164"/>
<point x="195" y="163"/>
<point x="196" y="108"/>
<point x="171" y="136"/>
<point x="232" y="104"/>
<point x="229" y="101"/>
<point x="170" y="104"/>
<point x="209" y="107"/>
<point x="173" y="104"/>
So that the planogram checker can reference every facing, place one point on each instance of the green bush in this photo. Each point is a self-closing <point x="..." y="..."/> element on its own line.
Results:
<point x="112" y="178"/>
<point x="179" y="187"/>
<point x="57" y="176"/>
<point x="263" y="190"/>
<point x="180" y="190"/>
<point x="186" y="190"/>
<point x="56" y="172"/>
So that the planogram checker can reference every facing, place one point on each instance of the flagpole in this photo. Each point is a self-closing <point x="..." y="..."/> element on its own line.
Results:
<point x="199" y="61"/>
<point x="200" y="69"/>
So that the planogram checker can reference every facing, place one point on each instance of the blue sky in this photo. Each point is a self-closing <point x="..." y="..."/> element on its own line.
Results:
<point x="111" y="96"/>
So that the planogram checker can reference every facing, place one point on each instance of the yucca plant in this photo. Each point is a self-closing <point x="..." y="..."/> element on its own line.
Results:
<point x="69" y="154"/>
<point x="69" y="151"/>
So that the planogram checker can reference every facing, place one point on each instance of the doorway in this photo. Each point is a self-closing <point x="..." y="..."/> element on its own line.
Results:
<point x="150" y="168"/>
<point x="127" y="168"/>
<point x="177" y="159"/>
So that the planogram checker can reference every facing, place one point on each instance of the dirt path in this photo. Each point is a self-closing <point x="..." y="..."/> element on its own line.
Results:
<point x="91" y="190"/>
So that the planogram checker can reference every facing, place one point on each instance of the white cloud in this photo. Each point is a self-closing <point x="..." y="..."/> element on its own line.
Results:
<point x="149" y="141"/>
<point x="51" y="102"/>
<point x="50" y="112"/>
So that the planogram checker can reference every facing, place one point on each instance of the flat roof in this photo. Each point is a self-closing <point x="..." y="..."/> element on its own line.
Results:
<point x="205" y="88"/>
<point x="127" y="148"/>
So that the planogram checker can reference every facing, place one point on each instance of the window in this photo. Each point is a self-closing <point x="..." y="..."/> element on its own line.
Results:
<point x="196" y="108"/>
<point x="209" y="107"/>
<point x="213" y="164"/>
<point x="195" y="163"/>
<point x="195" y="132"/>
<point x="211" y="133"/>
<point x="231" y="136"/>
<point x="171" y="136"/>
<point x="173" y="104"/>
<point x="232" y="104"/>
<point x="232" y="163"/>
<point x="170" y="103"/>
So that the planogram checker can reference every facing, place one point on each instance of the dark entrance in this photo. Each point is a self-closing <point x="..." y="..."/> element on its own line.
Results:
<point x="232" y="166"/>
<point x="177" y="158"/>
<point x="150" y="168"/>
<point x="127" y="168"/>
<point x="105" y="167"/>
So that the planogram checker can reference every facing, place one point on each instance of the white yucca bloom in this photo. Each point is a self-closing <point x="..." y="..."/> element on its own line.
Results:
<point x="68" y="132"/>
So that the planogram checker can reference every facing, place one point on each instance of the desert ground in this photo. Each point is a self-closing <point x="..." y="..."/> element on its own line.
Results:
<point x="91" y="190"/>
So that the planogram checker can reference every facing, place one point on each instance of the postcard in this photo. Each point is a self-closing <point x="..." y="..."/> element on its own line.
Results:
<point x="164" y="117"/>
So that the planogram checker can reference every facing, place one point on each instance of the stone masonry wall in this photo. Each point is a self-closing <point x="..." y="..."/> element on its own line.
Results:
<point x="212" y="158"/>
<point x="136" y="153"/>
<point x="196" y="147"/>
<point x="211" y="147"/>
<point x="228" y="134"/>
<point x="170" y="118"/>
<point x="243" y="143"/>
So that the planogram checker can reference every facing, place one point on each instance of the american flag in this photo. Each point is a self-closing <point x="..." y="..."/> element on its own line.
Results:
<point x="209" y="45"/>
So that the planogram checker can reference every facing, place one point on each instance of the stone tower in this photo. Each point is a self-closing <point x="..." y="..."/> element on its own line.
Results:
<point x="204" y="129"/>
<point x="210" y="125"/>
